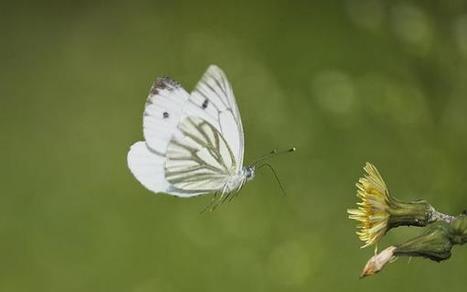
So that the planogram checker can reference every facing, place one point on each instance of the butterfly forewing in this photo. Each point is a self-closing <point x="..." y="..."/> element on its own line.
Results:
<point x="163" y="111"/>
<point x="214" y="96"/>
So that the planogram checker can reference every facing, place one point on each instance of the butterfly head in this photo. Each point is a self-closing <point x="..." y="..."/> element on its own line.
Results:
<point x="249" y="172"/>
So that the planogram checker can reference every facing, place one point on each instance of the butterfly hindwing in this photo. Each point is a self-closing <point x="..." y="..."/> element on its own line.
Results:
<point x="148" y="167"/>
<point x="201" y="160"/>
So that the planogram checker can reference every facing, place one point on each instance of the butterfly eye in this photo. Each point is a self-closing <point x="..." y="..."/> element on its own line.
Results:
<point x="205" y="104"/>
<point x="165" y="115"/>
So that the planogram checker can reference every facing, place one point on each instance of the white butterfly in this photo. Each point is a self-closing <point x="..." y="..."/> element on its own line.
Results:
<point x="193" y="142"/>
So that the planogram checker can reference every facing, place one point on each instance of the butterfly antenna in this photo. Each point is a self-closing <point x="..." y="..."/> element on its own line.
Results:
<point x="275" y="175"/>
<point x="271" y="154"/>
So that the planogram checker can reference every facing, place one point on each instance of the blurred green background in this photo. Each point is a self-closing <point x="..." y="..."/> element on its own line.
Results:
<point x="344" y="81"/>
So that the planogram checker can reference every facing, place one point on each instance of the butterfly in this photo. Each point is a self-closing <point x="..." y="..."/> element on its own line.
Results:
<point x="194" y="142"/>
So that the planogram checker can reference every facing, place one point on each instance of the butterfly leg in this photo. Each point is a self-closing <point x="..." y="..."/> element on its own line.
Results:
<point x="224" y="196"/>
<point x="220" y="198"/>
<point x="237" y="192"/>
<point x="216" y="200"/>
<point x="210" y="206"/>
<point x="227" y="197"/>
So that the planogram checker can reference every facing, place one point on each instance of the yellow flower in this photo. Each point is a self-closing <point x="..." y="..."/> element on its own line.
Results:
<point x="373" y="212"/>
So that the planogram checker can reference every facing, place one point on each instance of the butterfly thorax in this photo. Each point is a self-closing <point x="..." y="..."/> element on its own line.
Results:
<point x="236" y="182"/>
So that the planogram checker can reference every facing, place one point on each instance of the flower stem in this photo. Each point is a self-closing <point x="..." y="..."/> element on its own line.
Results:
<point x="438" y="216"/>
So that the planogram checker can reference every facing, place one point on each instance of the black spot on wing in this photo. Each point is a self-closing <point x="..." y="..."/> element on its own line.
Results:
<point x="205" y="104"/>
<point x="165" y="115"/>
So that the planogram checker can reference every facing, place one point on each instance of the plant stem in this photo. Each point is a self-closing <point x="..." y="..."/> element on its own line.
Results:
<point x="438" y="216"/>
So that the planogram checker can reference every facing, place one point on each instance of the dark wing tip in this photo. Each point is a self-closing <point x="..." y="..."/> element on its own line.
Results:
<point x="164" y="82"/>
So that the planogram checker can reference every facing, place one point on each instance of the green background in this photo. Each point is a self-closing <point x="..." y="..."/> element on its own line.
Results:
<point x="344" y="81"/>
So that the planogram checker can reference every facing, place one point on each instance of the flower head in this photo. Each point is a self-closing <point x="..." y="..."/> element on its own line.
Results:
<point x="373" y="211"/>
